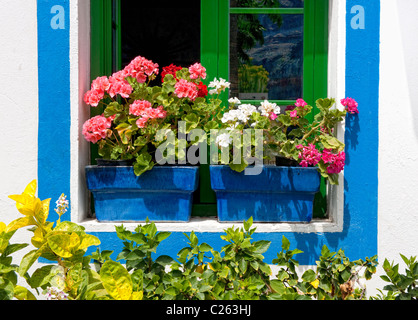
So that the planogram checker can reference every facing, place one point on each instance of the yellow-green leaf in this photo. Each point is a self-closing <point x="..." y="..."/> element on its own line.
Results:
<point x="26" y="204"/>
<point x="64" y="244"/>
<point x="137" y="295"/>
<point x="89" y="240"/>
<point x="22" y="293"/>
<point x="2" y="227"/>
<point x="31" y="188"/>
<point x="42" y="214"/>
<point x="29" y="259"/>
<point x="20" y="223"/>
<point x="116" y="280"/>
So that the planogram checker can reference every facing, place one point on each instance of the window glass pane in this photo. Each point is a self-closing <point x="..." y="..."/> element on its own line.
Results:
<point x="267" y="3"/>
<point x="266" y="56"/>
<point x="165" y="32"/>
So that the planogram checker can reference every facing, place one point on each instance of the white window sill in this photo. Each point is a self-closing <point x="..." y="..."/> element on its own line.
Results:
<point x="211" y="225"/>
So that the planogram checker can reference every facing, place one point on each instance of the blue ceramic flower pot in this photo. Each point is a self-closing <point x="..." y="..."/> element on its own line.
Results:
<point x="163" y="194"/>
<point x="277" y="194"/>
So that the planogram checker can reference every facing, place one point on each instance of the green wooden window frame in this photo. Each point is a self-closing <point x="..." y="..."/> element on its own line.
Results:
<point x="106" y="58"/>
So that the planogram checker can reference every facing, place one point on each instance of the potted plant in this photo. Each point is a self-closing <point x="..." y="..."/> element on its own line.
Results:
<point x="148" y="127"/>
<point x="304" y="151"/>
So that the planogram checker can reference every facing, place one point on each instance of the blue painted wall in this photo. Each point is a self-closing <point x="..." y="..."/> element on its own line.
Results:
<point x="54" y="100"/>
<point x="359" y="237"/>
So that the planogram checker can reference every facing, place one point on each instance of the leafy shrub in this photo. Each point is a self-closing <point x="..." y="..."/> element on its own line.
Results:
<point x="237" y="272"/>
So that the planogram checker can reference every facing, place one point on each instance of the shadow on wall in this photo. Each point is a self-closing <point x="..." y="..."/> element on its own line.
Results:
<point x="407" y="10"/>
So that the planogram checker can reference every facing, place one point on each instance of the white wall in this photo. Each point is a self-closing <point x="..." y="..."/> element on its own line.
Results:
<point x="18" y="101"/>
<point x="398" y="126"/>
<point x="398" y="116"/>
<point x="398" y="134"/>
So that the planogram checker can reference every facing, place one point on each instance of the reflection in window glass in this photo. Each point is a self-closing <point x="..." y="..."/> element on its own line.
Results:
<point x="268" y="3"/>
<point x="266" y="56"/>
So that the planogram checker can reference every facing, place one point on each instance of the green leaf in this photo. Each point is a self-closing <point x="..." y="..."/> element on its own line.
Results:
<point x="243" y="265"/>
<point x="116" y="280"/>
<point x="248" y="223"/>
<point x="261" y="246"/>
<point x="14" y="248"/>
<point x="309" y="275"/>
<point x="162" y="235"/>
<point x="164" y="260"/>
<point x="42" y="276"/>
<point x="278" y="286"/>
<point x="204" y="247"/>
<point x="6" y="290"/>
<point x="285" y="243"/>
<point x="29" y="259"/>
<point x="134" y="255"/>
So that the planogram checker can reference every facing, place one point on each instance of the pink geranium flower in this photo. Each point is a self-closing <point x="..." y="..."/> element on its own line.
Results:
<point x="350" y="105"/>
<point x="309" y="155"/>
<point x="141" y="122"/>
<point x="300" y="103"/>
<point x="273" y="116"/>
<point x="197" y="71"/>
<point x="100" y="84"/>
<point x="93" y="97"/>
<point x="338" y="163"/>
<point x="294" y="114"/>
<point x="118" y="86"/>
<point x="138" y="107"/>
<point x="96" y="128"/>
<point x="185" y="89"/>
<point x="140" y="68"/>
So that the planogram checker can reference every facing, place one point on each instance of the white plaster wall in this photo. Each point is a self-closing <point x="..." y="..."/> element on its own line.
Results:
<point x="18" y="101"/>
<point x="398" y="133"/>
<point x="398" y="116"/>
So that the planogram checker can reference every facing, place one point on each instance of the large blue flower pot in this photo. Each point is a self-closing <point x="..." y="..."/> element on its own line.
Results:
<point x="277" y="194"/>
<point x="164" y="193"/>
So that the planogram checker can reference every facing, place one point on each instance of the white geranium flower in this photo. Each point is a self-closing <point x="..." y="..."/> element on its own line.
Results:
<point x="218" y="86"/>
<point x="266" y="108"/>
<point x="246" y="110"/>
<point x="234" y="101"/>
<point x="232" y="115"/>
<point x="224" y="140"/>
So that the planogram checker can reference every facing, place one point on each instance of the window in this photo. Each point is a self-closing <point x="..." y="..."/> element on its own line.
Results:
<point x="267" y="49"/>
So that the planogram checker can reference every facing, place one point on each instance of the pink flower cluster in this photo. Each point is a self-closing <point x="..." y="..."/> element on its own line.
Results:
<point x="144" y="110"/>
<point x="119" y="85"/>
<point x="97" y="91"/>
<point x="294" y="114"/>
<point x="186" y="89"/>
<point x="300" y="103"/>
<point x="350" y="105"/>
<point x="139" y="68"/>
<point x="336" y="161"/>
<point x="197" y="71"/>
<point x="96" y="128"/>
<point x="311" y="156"/>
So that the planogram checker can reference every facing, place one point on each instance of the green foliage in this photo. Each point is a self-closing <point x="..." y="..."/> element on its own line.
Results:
<point x="199" y="272"/>
<point x="402" y="286"/>
<point x="286" y="134"/>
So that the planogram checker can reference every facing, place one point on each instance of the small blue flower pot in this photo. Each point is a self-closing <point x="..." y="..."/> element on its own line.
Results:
<point x="277" y="194"/>
<point x="164" y="193"/>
